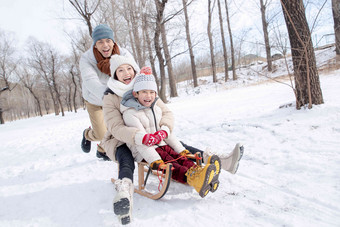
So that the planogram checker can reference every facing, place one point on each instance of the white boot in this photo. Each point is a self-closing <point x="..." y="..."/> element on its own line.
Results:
<point x="231" y="162"/>
<point x="123" y="201"/>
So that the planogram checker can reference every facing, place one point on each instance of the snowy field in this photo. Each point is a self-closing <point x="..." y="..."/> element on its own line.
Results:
<point x="289" y="174"/>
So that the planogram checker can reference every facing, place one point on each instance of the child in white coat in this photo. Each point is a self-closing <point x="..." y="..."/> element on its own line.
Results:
<point x="155" y="143"/>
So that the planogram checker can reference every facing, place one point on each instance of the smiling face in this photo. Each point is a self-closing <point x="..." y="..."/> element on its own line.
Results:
<point x="125" y="73"/>
<point x="105" y="47"/>
<point x="145" y="97"/>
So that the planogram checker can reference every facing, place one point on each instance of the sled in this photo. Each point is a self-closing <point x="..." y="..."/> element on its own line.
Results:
<point x="143" y="167"/>
<point x="142" y="180"/>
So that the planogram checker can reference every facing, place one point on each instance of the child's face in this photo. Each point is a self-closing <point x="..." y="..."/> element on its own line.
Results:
<point x="105" y="47"/>
<point x="145" y="97"/>
<point x="125" y="73"/>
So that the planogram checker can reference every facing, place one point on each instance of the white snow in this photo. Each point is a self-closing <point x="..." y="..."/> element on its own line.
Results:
<point x="289" y="174"/>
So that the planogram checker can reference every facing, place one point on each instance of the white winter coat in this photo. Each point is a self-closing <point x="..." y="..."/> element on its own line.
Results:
<point x="146" y="120"/>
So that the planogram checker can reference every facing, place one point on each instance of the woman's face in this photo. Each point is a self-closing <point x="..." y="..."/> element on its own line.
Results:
<point x="125" y="73"/>
<point x="105" y="47"/>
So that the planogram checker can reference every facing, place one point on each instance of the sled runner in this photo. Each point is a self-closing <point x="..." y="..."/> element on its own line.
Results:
<point x="142" y="180"/>
<point x="164" y="177"/>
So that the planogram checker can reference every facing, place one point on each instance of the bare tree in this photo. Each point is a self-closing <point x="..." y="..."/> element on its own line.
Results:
<point x="225" y="54"/>
<point x="212" y="56"/>
<point x="46" y="62"/>
<point x="136" y="19"/>
<point x="231" y="42"/>
<point x="160" y="6"/>
<point x="146" y="30"/>
<point x="7" y="61"/>
<point x="72" y="72"/>
<point x="263" y="6"/>
<point x="336" y="17"/>
<point x="307" y="84"/>
<point x="172" y="80"/>
<point x="80" y="40"/>
<point x="86" y="9"/>
<point x="191" y="51"/>
<point x="2" y="121"/>
<point x="7" y="66"/>
<point x="30" y="81"/>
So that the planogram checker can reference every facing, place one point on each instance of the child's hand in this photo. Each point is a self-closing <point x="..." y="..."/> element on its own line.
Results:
<point x="161" y="135"/>
<point x="150" y="140"/>
<point x="185" y="153"/>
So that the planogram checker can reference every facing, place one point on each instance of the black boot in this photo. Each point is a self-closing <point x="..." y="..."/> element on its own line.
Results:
<point x="85" y="144"/>
<point x="103" y="156"/>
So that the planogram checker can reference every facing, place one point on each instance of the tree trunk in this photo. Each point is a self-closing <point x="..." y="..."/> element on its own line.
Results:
<point x="191" y="51"/>
<point x="336" y="17"/>
<point x="148" y="43"/>
<point x="58" y="97"/>
<point x="160" y="10"/>
<point x="75" y="90"/>
<point x="55" y="103"/>
<point x="2" y="121"/>
<point x="231" y="42"/>
<point x="213" y="63"/>
<point x="265" y="34"/>
<point x="172" y="79"/>
<point x="54" y="83"/>
<point x="225" y="54"/>
<point x="135" y="24"/>
<point x="36" y="99"/>
<point x="47" y="106"/>
<point x="307" y="84"/>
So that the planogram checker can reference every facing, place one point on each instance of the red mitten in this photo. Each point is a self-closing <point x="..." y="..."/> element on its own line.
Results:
<point x="146" y="70"/>
<point x="150" y="140"/>
<point x="161" y="135"/>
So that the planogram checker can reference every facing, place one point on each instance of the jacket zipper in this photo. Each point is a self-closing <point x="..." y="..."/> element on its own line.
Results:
<point x="154" y="116"/>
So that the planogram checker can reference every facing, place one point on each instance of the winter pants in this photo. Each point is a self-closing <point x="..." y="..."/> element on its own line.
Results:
<point x="181" y="164"/>
<point x="126" y="162"/>
<point x="192" y="150"/>
<point x="97" y="132"/>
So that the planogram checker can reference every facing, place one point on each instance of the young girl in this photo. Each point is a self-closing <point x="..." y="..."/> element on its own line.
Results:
<point x="156" y="144"/>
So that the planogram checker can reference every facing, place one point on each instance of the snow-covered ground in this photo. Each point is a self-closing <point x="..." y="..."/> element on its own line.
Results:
<point x="289" y="174"/>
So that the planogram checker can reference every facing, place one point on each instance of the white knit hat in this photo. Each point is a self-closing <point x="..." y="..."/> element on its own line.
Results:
<point x="118" y="60"/>
<point x="145" y="81"/>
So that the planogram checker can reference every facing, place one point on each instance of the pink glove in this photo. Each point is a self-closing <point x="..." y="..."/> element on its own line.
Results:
<point x="161" y="135"/>
<point x="150" y="140"/>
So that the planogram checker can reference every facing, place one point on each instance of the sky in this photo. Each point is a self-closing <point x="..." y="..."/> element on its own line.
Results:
<point x="288" y="175"/>
<point x="36" y="18"/>
<point x="41" y="19"/>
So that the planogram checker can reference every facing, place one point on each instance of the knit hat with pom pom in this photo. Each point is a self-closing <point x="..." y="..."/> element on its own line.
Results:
<point x="145" y="80"/>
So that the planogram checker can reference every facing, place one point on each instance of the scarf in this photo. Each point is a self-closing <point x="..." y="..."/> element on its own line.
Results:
<point x="103" y="64"/>
<point x="118" y="87"/>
